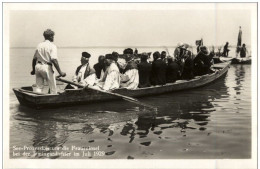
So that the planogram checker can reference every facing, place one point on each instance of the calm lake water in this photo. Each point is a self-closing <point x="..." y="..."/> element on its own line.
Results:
<point x="204" y="123"/>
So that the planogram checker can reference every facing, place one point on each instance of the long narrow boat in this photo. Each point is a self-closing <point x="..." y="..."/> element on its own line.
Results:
<point x="27" y="97"/>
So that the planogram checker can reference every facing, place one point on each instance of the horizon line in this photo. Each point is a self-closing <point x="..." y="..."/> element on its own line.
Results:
<point x="161" y="46"/>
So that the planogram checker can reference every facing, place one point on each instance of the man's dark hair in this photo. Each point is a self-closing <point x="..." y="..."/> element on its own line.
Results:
<point x="48" y="33"/>
<point x="156" y="55"/>
<point x="115" y="55"/>
<point x="128" y="51"/>
<point x="101" y="59"/>
<point x="144" y="57"/>
<point x="163" y="54"/>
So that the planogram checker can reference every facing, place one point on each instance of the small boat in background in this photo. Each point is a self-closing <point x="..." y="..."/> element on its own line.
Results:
<point x="241" y="61"/>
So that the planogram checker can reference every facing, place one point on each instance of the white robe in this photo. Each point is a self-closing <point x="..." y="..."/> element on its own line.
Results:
<point x="89" y="80"/>
<point x="111" y="78"/>
<point x="133" y="79"/>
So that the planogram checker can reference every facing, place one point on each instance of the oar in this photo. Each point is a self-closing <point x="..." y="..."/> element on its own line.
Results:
<point x="130" y="99"/>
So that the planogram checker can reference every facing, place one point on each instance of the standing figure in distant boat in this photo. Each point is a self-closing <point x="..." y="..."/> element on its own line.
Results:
<point x="226" y="50"/>
<point x="130" y="79"/>
<point x="144" y="70"/>
<point x="100" y="66"/>
<point x="111" y="78"/>
<point x="243" y="51"/>
<point x="45" y="56"/>
<point x="84" y="75"/>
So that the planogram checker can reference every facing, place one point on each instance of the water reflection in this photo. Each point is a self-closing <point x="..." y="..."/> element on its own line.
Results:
<point x="239" y="77"/>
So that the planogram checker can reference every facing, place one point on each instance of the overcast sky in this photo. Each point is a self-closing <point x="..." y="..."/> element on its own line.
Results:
<point x="129" y="26"/>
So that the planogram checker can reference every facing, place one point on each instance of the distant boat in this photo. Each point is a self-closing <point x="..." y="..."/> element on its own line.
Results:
<point x="27" y="97"/>
<point x="241" y="61"/>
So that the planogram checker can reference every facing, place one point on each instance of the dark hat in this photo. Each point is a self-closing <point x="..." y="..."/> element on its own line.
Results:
<point x="128" y="51"/>
<point x="86" y="55"/>
<point x="48" y="33"/>
<point x="110" y="56"/>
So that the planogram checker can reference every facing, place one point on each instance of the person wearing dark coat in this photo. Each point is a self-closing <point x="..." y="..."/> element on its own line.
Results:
<point x="158" y="70"/>
<point x="163" y="56"/>
<point x="144" y="70"/>
<point x="172" y="71"/>
<point x="226" y="50"/>
<point x="100" y="66"/>
<point x="243" y="51"/>
<point x="187" y="72"/>
<point x="202" y="62"/>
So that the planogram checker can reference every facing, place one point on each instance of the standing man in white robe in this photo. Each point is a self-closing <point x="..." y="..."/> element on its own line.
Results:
<point x="45" y="56"/>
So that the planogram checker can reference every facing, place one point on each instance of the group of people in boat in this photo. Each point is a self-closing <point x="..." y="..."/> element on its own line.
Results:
<point x="129" y="70"/>
<point x="240" y="49"/>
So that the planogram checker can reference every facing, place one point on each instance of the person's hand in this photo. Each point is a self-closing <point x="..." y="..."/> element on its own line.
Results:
<point x="63" y="74"/>
<point x="33" y="72"/>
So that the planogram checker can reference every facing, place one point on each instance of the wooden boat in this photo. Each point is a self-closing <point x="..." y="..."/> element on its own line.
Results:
<point x="27" y="97"/>
<point x="241" y="61"/>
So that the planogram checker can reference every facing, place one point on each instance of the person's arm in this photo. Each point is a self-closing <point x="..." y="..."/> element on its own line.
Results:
<point x="54" y="60"/>
<point x="56" y="65"/>
<point x="34" y="63"/>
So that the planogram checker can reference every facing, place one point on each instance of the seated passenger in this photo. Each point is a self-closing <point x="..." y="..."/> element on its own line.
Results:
<point x="111" y="78"/>
<point x="158" y="70"/>
<point x="202" y="62"/>
<point x="116" y="56"/>
<point x="130" y="79"/>
<point x="172" y="72"/>
<point x="84" y="75"/>
<point x="163" y="56"/>
<point x="144" y="70"/>
<point x="187" y="73"/>
<point x="100" y="66"/>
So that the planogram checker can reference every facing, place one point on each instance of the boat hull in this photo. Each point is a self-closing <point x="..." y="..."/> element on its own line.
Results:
<point x="85" y="96"/>
<point x="241" y="61"/>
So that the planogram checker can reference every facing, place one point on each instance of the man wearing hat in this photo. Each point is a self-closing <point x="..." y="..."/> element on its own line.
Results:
<point x="45" y="56"/>
<point x="85" y="75"/>
<point x="111" y="78"/>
